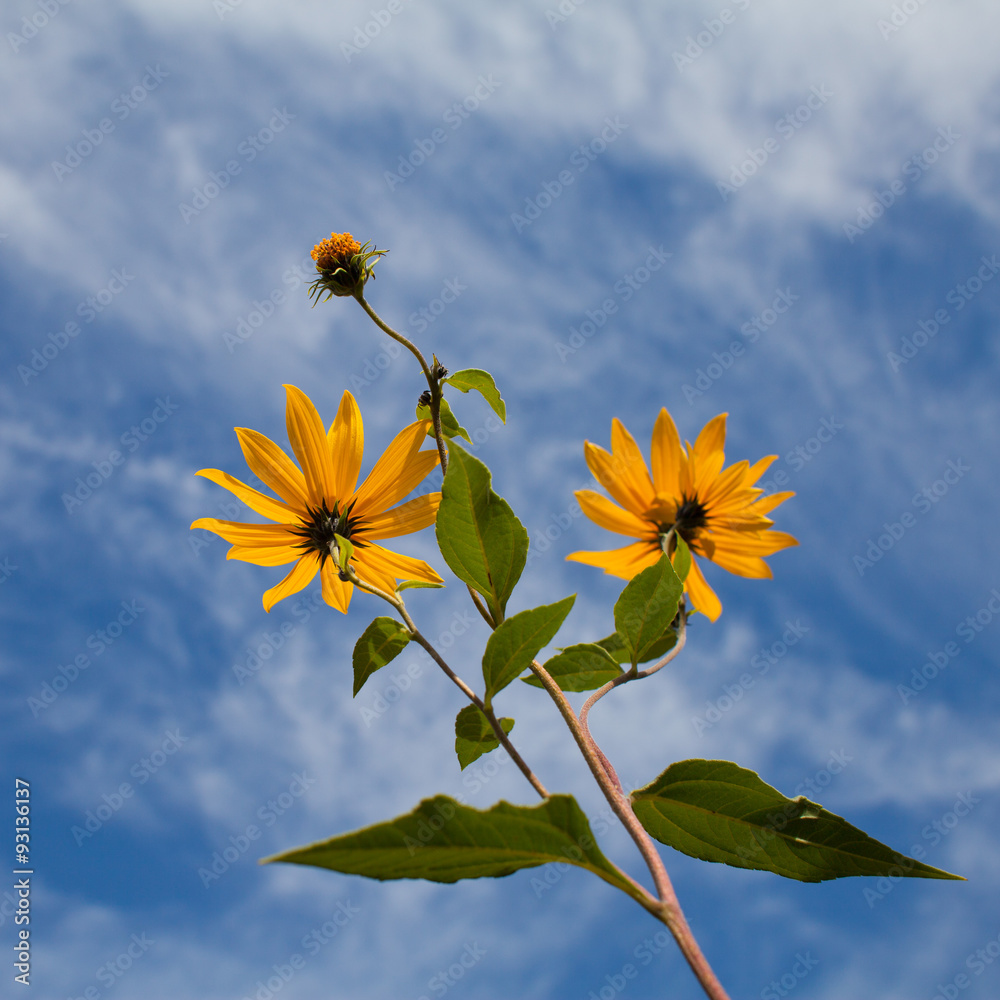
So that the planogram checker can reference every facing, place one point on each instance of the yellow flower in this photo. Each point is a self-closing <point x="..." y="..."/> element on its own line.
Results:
<point x="719" y="513"/>
<point x="344" y="265"/>
<point x="323" y="499"/>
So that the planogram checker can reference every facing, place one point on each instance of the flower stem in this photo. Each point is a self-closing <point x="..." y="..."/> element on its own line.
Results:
<point x="418" y="637"/>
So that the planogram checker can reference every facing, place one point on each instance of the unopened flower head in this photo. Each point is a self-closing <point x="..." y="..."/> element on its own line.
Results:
<point x="344" y="265"/>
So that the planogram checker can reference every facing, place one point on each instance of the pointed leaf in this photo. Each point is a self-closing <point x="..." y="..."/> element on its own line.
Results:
<point x="518" y="640"/>
<point x="443" y="841"/>
<point x="379" y="644"/>
<point x="474" y="735"/>
<point x="583" y="667"/>
<point x="482" y="541"/>
<point x="413" y="584"/>
<point x="450" y="426"/>
<point x="718" y="811"/>
<point x="343" y="551"/>
<point x="616" y="649"/>
<point x="682" y="559"/>
<point x="482" y="382"/>
<point x="646" y="608"/>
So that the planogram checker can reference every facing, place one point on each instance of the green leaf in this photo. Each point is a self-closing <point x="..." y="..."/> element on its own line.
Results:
<point x="344" y="551"/>
<point x="482" y="382"/>
<point x="682" y="559"/>
<point x="443" y="841"/>
<point x="412" y="584"/>
<point x="474" y="735"/>
<point x="482" y="541"/>
<point x="515" y="643"/>
<point x="450" y="426"/>
<point x="718" y="811"/>
<point x="646" y="608"/>
<point x="379" y="644"/>
<point x="583" y="667"/>
<point x="616" y="649"/>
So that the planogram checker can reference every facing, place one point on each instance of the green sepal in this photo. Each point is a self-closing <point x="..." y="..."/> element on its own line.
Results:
<point x="682" y="559"/>
<point x="518" y="640"/>
<point x="646" y="607"/>
<point x="716" y="810"/>
<point x="450" y="426"/>
<point x="413" y="584"/>
<point x="482" y="382"/>
<point x="444" y="841"/>
<point x="379" y="644"/>
<point x="345" y="552"/>
<point x="481" y="539"/>
<point x="582" y="667"/>
<point x="474" y="735"/>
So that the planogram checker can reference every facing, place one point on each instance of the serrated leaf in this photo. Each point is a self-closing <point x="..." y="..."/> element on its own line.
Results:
<point x="583" y="667"/>
<point x="414" y="584"/>
<point x="716" y="810"/>
<point x="450" y="426"/>
<point x="518" y="640"/>
<point x="482" y="382"/>
<point x="474" y="735"/>
<point x="482" y="541"/>
<point x="616" y="649"/>
<point x="443" y="841"/>
<point x="646" y="608"/>
<point x="379" y="644"/>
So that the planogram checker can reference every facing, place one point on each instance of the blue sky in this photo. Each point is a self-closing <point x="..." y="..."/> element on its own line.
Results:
<point x="165" y="171"/>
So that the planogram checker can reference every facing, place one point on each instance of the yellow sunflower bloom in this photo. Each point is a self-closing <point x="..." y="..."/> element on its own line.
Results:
<point x="323" y="499"/>
<point x="719" y="512"/>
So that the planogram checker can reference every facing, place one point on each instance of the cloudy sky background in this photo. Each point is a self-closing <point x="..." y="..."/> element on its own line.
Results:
<point x="860" y="436"/>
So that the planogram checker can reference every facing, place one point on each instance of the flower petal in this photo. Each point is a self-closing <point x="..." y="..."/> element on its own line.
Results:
<point x="766" y="504"/>
<point x="702" y="596"/>
<point x="276" y="510"/>
<point x="398" y="472"/>
<point x="706" y="458"/>
<point x="602" y="464"/>
<point x="603" y="512"/>
<point x="741" y="564"/>
<point x="300" y="577"/>
<point x="271" y="555"/>
<point x="308" y="440"/>
<point x="336" y="592"/>
<point x="630" y="465"/>
<point x="402" y="520"/>
<point x="346" y="439"/>
<point x="759" y="468"/>
<point x="394" y="565"/>
<point x="623" y="563"/>
<point x="666" y="456"/>
<point x="273" y="467"/>
<point x="239" y="533"/>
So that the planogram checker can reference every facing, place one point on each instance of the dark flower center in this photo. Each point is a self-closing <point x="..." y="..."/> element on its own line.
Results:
<point x="317" y="532"/>
<point x="691" y="516"/>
